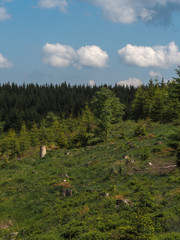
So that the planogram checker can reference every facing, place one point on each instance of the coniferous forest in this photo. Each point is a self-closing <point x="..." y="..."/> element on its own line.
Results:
<point x="111" y="170"/>
<point x="31" y="103"/>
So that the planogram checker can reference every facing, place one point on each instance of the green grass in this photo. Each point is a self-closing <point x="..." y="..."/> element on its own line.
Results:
<point x="31" y="205"/>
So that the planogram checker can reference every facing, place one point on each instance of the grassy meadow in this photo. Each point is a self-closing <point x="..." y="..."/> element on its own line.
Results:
<point x="126" y="188"/>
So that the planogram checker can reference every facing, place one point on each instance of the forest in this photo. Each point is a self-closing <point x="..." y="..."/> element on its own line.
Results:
<point x="112" y="165"/>
<point x="31" y="103"/>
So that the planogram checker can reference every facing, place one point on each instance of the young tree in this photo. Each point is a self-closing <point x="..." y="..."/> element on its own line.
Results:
<point x="86" y="128"/>
<point x="107" y="109"/>
<point x="34" y="135"/>
<point x="141" y="104"/>
<point x="24" y="140"/>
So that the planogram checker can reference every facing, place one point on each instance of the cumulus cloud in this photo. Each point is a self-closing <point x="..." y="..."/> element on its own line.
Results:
<point x="130" y="82"/>
<point x="58" y="55"/>
<point x="4" y="63"/>
<point x="129" y="11"/>
<point x="92" y="83"/>
<point x="157" y="56"/>
<point x="61" y="4"/>
<point x="3" y="14"/>
<point x="92" y="56"/>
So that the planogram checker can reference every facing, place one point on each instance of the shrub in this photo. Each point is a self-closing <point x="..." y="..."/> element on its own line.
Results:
<point x="140" y="130"/>
<point x="174" y="139"/>
<point x="144" y="154"/>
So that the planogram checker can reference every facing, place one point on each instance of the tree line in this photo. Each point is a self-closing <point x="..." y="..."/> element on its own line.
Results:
<point x="31" y="103"/>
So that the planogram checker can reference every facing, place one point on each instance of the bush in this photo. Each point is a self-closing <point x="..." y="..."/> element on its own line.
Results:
<point x="174" y="139"/>
<point x="144" y="154"/>
<point x="140" y="130"/>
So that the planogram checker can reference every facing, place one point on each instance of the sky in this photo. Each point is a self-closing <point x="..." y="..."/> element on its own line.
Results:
<point x="126" y="42"/>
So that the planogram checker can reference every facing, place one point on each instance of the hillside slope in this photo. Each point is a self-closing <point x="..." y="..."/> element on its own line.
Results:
<point x="127" y="188"/>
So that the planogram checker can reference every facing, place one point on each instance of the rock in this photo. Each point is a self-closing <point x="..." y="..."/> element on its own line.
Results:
<point x="42" y="151"/>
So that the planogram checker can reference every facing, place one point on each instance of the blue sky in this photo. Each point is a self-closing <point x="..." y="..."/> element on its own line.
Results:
<point x="89" y="41"/>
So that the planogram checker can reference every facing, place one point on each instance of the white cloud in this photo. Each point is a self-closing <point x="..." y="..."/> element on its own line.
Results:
<point x="57" y="55"/>
<point x="4" y="63"/>
<point x="92" y="56"/>
<point x="129" y="11"/>
<point x="92" y="83"/>
<point x="3" y="14"/>
<point x="61" y="4"/>
<point x="130" y="82"/>
<point x="157" y="56"/>
<point x="154" y="74"/>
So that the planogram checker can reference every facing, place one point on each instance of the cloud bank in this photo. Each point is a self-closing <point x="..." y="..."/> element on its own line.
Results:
<point x="58" y="55"/>
<point x="61" y="4"/>
<point x="4" y="63"/>
<point x="3" y="14"/>
<point x="129" y="11"/>
<point x="157" y="56"/>
<point x="130" y="82"/>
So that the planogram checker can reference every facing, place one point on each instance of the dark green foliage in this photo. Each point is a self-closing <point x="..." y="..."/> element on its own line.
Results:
<point x="107" y="110"/>
<point x="140" y="130"/>
<point x="174" y="139"/>
<point x="158" y="101"/>
<point x="144" y="154"/>
<point x="31" y="103"/>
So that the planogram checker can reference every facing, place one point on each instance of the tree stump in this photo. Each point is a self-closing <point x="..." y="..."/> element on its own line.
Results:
<point x="67" y="192"/>
<point x="42" y="151"/>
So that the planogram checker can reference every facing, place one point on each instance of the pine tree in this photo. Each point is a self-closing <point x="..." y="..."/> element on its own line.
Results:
<point x="107" y="110"/>
<point x="24" y="140"/>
